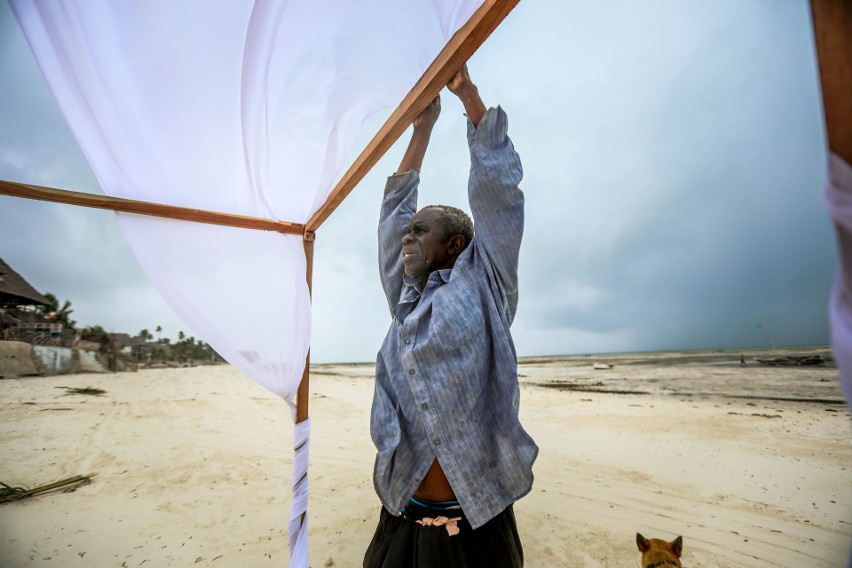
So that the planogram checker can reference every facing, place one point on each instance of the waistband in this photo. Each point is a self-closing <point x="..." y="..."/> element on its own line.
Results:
<point x="418" y="509"/>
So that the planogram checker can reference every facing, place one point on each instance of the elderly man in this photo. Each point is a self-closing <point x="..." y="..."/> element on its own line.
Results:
<point x="452" y="454"/>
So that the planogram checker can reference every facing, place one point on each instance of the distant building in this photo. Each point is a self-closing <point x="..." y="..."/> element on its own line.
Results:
<point x="122" y="342"/>
<point x="20" y="318"/>
<point x="15" y="291"/>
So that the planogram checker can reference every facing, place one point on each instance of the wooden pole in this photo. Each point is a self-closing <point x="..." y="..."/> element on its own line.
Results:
<point x="40" y="193"/>
<point x="303" y="394"/>
<point x="832" y="20"/>
<point x="455" y="54"/>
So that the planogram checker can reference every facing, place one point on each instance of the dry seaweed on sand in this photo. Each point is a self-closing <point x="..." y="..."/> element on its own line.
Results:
<point x="9" y="493"/>
<point x="92" y="391"/>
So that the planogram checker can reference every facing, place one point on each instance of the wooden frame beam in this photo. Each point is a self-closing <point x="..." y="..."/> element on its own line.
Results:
<point x="455" y="54"/>
<point x="832" y="21"/>
<point x="145" y="208"/>
<point x="458" y="50"/>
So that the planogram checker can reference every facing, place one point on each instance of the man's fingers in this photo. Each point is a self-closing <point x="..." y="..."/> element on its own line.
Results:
<point x="459" y="77"/>
<point x="430" y="114"/>
<point x="435" y="106"/>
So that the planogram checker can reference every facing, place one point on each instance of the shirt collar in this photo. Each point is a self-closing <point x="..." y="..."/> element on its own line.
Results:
<point x="443" y="276"/>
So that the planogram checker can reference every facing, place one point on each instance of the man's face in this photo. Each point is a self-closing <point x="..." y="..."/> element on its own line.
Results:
<point x="425" y="248"/>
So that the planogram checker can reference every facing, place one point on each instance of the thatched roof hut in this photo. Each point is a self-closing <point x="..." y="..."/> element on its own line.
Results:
<point x="15" y="291"/>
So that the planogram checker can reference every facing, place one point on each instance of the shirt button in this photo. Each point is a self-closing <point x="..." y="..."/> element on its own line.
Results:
<point x="424" y="406"/>
<point x="407" y="341"/>
<point x="411" y="371"/>
<point x="437" y="442"/>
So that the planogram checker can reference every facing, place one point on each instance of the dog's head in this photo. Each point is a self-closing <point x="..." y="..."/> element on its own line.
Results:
<point x="657" y="553"/>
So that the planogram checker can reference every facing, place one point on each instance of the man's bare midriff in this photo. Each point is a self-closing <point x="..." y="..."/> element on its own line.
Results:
<point x="435" y="486"/>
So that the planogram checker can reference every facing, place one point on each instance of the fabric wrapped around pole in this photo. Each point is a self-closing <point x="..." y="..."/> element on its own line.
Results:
<point x="240" y="107"/>
<point x="298" y="526"/>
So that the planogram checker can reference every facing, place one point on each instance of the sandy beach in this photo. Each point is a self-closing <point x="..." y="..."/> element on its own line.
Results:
<point x="751" y="465"/>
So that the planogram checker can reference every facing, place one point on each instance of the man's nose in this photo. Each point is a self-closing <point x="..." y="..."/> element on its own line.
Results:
<point x="407" y="238"/>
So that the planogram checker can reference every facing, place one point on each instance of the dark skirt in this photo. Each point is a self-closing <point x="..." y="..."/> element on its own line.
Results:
<point x="403" y="543"/>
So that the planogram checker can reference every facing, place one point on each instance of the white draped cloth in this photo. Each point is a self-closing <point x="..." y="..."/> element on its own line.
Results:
<point x="245" y="107"/>
<point x="838" y="199"/>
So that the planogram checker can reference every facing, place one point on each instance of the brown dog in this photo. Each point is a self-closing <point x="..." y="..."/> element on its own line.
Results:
<point x="656" y="552"/>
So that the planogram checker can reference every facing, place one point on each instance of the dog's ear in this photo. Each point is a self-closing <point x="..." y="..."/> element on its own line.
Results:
<point x="677" y="546"/>
<point x="642" y="543"/>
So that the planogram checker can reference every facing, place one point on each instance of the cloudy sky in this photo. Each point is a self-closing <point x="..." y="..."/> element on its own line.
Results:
<point x="673" y="154"/>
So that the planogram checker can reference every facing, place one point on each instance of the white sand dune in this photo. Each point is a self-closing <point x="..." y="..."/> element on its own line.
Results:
<point x="193" y="466"/>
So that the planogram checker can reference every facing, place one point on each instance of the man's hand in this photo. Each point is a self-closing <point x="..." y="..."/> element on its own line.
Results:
<point x="462" y="86"/>
<point x="422" y="132"/>
<point x="461" y="83"/>
<point x="429" y="116"/>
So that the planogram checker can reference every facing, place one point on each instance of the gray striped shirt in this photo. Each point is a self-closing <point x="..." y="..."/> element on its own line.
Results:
<point x="446" y="374"/>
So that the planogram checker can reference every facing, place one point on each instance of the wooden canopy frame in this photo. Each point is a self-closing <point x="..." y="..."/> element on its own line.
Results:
<point x="458" y="50"/>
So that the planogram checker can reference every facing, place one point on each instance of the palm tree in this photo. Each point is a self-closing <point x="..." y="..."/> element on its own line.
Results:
<point x="52" y="303"/>
<point x="61" y="314"/>
<point x="159" y="330"/>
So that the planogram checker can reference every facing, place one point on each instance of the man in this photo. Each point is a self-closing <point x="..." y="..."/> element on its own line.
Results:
<point x="452" y="455"/>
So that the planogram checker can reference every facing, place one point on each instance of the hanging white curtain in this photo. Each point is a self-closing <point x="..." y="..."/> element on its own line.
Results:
<point x="838" y="199"/>
<point x="235" y="106"/>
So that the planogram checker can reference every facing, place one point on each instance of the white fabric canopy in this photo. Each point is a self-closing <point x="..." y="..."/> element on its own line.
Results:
<point x="235" y="106"/>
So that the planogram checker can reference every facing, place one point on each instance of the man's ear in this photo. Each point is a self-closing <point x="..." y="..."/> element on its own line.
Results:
<point x="455" y="245"/>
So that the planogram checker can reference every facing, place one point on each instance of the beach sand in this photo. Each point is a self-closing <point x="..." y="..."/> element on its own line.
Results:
<point x="751" y="465"/>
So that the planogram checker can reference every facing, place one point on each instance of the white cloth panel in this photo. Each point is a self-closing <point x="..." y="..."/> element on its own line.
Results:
<point x="242" y="107"/>
<point x="838" y="198"/>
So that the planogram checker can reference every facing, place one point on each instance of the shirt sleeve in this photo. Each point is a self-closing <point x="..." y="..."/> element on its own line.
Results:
<point x="838" y="198"/>
<point x="398" y="207"/>
<point x="496" y="201"/>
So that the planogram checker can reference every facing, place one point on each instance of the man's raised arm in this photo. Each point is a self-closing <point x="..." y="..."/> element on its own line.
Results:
<point x="496" y="201"/>
<point x="400" y="202"/>
<point x="420" y="136"/>
<point x="462" y="87"/>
